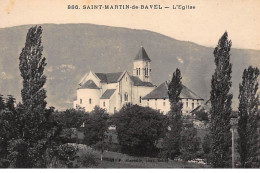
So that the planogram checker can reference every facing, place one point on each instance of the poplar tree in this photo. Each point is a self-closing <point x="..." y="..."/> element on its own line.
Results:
<point x="33" y="94"/>
<point x="248" y="118"/>
<point x="221" y="101"/>
<point x="173" y="139"/>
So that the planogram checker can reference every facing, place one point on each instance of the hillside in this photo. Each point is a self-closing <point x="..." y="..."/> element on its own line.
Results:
<point x="73" y="49"/>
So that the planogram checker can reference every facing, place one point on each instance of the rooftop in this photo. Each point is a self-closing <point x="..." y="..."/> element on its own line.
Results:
<point x="90" y="84"/>
<point x="161" y="92"/>
<point x="108" y="93"/>
<point x="142" y="55"/>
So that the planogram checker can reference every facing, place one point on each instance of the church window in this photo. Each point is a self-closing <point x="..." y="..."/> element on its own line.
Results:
<point x="192" y="105"/>
<point x="139" y="71"/>
<point x="80" y="101"/>
<point x="187" y="104"/>
<point x="140" y="99"/>
<point x="89" y="101"/>
<point x="126" y="97"/>
<point x="163" y="103"/>
<point x="104" y="104"/>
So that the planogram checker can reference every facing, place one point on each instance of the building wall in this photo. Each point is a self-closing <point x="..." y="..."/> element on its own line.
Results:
<point x="163" y="105"/>
<point x="140" y="91"/>
<point x="104" y="104"/>
<point x="125" y="87"/>
<point x="83" y="96"/>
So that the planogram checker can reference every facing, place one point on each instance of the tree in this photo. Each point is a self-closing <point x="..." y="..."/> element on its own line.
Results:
<point x="190" y="143"/>
<point x="95" y="127"/>
<point x="70" y="118"/>
<point x="138" y="129"/>
<point x="173" y="140"/>
<point x="206" y="146"/>
<point x="33" y="94"/>
<point x="221" y="105"/>
<point x="248" y="118"/>
<point x="10" y="103"/>
<point x="2" y="103"/>
<point x="33" y="116"/>
<point x="201" y="115"/>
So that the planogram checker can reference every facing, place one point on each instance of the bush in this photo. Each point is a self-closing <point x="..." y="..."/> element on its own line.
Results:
<point x="138" y="129"/>
<point x="202" y="115"/>
<point x="87" y="159"/>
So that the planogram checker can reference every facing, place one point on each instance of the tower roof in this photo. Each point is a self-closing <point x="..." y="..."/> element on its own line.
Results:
<point x="142" y="55"/>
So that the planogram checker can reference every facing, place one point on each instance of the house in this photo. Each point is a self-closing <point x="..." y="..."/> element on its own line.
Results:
<point x="159" y="99"/>
<point x="111" y="91"/>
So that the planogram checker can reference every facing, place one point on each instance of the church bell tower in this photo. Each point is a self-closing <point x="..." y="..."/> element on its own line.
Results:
<point x="142" y="66"/>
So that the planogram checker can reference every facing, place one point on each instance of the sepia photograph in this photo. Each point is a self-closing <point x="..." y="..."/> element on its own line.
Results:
<point x="129" y="84"/>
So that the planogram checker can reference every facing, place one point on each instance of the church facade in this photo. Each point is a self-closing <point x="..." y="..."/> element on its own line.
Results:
<point x="111" y="91"/>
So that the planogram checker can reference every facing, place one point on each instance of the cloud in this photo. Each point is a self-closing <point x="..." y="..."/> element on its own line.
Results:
<point x="180" y="60"/>
<point x="66" y="67"/>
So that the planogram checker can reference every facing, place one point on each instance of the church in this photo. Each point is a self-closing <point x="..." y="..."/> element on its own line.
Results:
<point x="111" y="91"/>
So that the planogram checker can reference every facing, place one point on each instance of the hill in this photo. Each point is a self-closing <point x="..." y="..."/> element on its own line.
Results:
<point x="74" y="49"/>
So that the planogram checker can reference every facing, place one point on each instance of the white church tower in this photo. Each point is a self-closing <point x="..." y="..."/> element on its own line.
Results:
<point x="142" y="66"/>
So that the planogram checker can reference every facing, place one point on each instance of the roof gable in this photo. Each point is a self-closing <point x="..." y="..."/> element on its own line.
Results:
<point x="109" y="77"/>
<point x="161" y="92"/>
<point x="90" y="84"/>
<point x="107" y="94"/>
<point x="142" y="55"/>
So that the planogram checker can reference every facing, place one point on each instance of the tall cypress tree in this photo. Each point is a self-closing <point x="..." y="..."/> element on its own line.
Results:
<point x="248" y="118"/>
<point x="173" y="140"/>
<point x="33" y="94"/>
<point x="221" y="101"/>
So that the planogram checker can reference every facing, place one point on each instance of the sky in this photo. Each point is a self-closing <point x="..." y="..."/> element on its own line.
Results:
<point x="203" y="25"/>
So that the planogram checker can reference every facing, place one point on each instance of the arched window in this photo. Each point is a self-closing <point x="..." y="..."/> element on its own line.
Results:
<point x="140" y="99"/>
<point x="89" y="100"/>
<point x="126" y="97"/>
<point x="80" y="101"/>
<point x="139" y="71"/>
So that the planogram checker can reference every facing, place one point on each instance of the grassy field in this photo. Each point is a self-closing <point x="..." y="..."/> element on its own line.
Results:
<point x="118" y="160"/>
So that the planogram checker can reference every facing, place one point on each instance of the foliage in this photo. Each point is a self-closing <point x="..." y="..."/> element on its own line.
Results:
<point x="249" y="118"/>
<point x="190" y="143"/>
<point x="201" y="115"/>
<point x="172" y="142"/>
<point x="206" y="146"/>
<point x="95" y="126"/>
<point x="19" y="154"/>
<point x="2" y="103"/>
<point x="87" y="159"/>
<point x="221" y="101"/>
<point x="70" y="118"/>
<point x="138" y="129"/>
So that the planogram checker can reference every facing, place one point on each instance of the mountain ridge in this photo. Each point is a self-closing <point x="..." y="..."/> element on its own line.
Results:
<point x="72" y="50"/>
